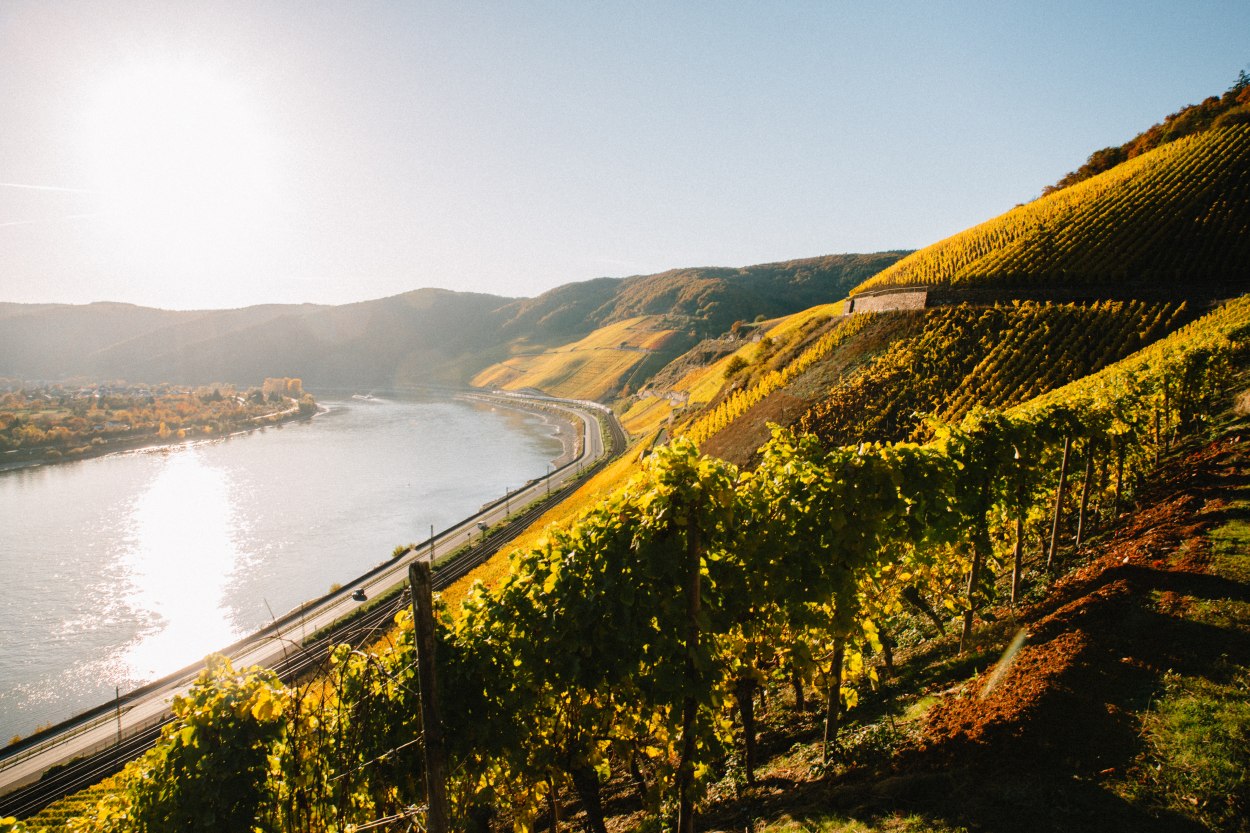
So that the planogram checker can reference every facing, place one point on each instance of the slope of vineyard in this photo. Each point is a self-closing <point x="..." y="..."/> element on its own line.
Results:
<point x="635" y="639"/>
<point x="1174" y="222"/>
<point x="1233" y="107"/>
<point x="699" y="379"/>
<point x="989" y="356"/>
<point x="882" y="377"/>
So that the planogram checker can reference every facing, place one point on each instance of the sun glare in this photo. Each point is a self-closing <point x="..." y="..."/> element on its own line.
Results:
<point x="181" y="562"/>
<point x="181" y="159"/>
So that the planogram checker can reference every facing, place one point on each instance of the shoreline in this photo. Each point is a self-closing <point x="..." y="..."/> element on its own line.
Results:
<point x="152" y="444"/>
<point x="567" y="431"/>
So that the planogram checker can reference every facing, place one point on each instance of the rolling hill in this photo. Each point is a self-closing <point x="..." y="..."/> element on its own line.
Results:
<point x="627" y="331"/>
<point x="428" y="336"/>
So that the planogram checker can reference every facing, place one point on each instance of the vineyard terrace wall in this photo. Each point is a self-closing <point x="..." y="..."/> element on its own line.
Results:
<point x="906" y="299"/>
<point x="914" y="298"/>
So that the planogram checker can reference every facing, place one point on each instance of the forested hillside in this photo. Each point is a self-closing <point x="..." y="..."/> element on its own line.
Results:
<point x="711" y="299"/>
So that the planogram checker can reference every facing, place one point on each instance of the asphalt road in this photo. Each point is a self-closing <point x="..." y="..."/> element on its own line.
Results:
<point x="133" y="724"/>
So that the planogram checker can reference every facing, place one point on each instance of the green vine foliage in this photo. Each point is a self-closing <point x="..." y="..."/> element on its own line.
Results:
<point x="626" y="640"/>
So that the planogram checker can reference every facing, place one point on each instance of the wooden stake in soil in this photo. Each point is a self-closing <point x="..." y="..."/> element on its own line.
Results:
<point x="982" y="551"/>
<point x="1063" y="482"/>
<point x="1156" y="419"/>
<point x="1017" y="559"/>
<point x="553" y="809"/>
<point x="1119" y="477"/>
<point x="833" y="699"/>
<point x="1017" y="555"/>
<point x="419" y="579"/>
<point x="1089" y="473"/>
<point x="1167" y="414"/>
<point x="690" y="707"/>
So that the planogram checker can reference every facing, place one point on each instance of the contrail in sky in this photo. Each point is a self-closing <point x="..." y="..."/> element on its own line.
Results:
<point x="46" y="188"/>
<point x="50" y="219"/>
<point x="28" y="187"/>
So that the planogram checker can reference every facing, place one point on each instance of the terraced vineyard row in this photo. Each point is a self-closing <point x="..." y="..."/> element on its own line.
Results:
<point x="1046" y="347"/>
<point x="1176" y="219"/>
<point x="987" y="356"/>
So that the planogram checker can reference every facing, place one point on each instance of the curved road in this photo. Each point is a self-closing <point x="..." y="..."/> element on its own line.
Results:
<point x="133" y="721"/>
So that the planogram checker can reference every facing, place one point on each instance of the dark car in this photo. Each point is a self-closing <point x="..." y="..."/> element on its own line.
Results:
<point x="359" y="595"/>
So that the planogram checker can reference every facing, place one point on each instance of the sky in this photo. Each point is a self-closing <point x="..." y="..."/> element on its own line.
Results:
<point x="208" y="155"/>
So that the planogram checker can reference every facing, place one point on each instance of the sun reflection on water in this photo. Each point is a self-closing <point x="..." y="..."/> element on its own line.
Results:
<point x="182" y="558"/>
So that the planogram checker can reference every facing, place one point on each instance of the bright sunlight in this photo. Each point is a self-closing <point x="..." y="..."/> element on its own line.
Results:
<point x="182" y="158"/>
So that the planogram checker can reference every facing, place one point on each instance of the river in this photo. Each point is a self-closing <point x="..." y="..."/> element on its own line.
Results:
<point x="123" y="568"/>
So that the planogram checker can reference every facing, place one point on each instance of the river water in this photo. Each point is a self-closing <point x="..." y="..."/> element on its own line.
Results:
<point x="124" y="568"/>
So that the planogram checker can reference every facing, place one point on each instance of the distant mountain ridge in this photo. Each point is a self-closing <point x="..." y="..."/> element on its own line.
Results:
<point x="427" y="336"/>
<point x="714" y="297"/>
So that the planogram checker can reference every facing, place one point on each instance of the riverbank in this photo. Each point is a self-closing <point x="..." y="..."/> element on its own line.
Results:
<point x="34" y="458"/>
<point x="568" y="428"/>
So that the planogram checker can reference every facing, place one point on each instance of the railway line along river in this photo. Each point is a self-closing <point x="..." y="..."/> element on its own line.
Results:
<point x="120" y="569"/>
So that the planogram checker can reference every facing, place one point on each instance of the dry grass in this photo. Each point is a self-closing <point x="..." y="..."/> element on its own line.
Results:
<point x="594" y="367"/>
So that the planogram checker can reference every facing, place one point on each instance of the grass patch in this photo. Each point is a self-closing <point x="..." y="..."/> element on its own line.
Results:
<point x="841" y="824"/>
<point x="917" y="710"/>
<point x="1196" y="756"/>
<point x="1230" y="544"/>
<point x="1197" y="752"/>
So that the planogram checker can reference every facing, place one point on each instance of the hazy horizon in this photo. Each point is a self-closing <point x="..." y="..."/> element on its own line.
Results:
<point x="190" y="157"/>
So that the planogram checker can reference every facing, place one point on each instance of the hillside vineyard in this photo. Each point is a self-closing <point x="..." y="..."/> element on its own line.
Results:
<point x="1174" y="220"/>
<point x="632" y="635"/>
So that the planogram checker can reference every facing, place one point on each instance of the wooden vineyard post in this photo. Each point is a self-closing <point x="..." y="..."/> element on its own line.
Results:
<point x="1167" y="414"/>
<point x="1156" y="421"/>
<point x="833" y="698"/>
<point x="1063" y="481"/>
<point x="1089" y="473"/>
<point x="685" y="769"/>
<point x="421" y="582"/>
<point x="1119" y="477"/>
<point x="1017" y="558"/>
<point x="1017" y="555"/>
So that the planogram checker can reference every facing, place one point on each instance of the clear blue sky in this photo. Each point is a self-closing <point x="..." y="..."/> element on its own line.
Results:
<point x="224" y="154"/>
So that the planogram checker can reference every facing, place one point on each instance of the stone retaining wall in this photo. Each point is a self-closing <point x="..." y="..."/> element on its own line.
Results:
<point x="919" y="298"/>
<point x="910" y="299"/>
